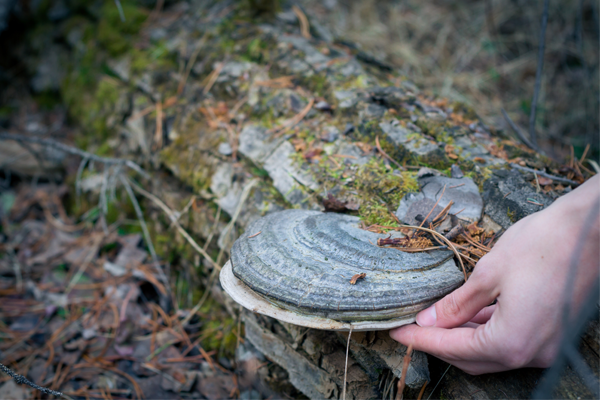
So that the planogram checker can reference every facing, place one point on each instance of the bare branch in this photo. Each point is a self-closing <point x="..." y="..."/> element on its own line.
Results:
<point x="523" y="138"/>
<point x="545" y="174"/>
<point x="21" y="380"/>
<point x="140" y="215"/>
<point x="75" y="151"/>
<point x="175" y="223"/>
<point x="538" y="73"/>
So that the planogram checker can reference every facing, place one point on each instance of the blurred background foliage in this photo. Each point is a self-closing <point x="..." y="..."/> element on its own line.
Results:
<point x="484" y="53"/>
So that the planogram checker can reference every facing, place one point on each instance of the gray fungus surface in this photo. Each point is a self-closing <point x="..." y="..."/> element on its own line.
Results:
<point x="304" y="261"/>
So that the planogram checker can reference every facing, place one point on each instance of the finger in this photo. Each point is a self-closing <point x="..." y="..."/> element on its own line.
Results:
<point x="484" y="315"/>
<point x="477" y="367"/>
<point x="461" y="305"/>
<point x="470" y="325"/>
<point x="458" y="344"/>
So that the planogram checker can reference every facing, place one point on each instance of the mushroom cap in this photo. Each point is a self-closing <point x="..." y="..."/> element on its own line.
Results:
<point x="245" y="296"/>
<point x="302" y="262"/>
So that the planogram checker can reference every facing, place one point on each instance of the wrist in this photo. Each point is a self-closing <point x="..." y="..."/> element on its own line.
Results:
<point x="576" y="208"/>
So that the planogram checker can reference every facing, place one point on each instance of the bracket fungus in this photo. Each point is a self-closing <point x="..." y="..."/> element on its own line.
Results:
<point x="304" y="268"/>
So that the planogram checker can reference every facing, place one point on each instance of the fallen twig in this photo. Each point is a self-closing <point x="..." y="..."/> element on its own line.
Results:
<point x="75" y="151"/>
<point x="544" y="174"/>
<point x="21" y="380"/>
<point x="434" y="206"/>
<point x="304" y="26"/>
<point x="538" y="73"/>
<point x="138" y="211"/>
<point x="405" y="364"/>
<point x="383" y="153"/>
<point x="295" y="120"/>
<point x="523" y="138"/>
<point x="346" y="366"/>
<point x="173" y="219"/>
<point x="449" y="243"/>
<point x="212" y="78"/>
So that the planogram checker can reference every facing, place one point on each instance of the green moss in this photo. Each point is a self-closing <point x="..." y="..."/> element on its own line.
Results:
<point x="114" y="34"/>
<point x="257" y="50"/>
<point x="380" y="191"/>
<point x="92" y="108"/>
<point x="187" y="158"/>
<point x="47" y="100"/>
<point x="355" y="82"/>
<point x="468" y="112"/>
<point x="157" y="57"/>
<point x="512" y="215"/>
<point x="317" y="83"/>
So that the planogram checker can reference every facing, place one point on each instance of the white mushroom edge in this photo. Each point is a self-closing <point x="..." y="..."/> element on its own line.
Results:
<point x="246" y="297"/>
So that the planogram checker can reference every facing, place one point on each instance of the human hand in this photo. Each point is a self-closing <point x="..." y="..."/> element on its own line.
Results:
<point x="526" y="272"/>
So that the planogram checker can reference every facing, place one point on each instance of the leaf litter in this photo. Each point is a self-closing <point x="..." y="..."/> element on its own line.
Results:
<point x="84" y="313"/>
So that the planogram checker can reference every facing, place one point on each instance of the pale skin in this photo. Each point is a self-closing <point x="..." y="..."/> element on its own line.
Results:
<point x="526" y="273"/>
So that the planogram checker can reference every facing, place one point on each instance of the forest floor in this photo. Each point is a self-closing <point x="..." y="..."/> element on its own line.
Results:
<point x="100" y="330"/>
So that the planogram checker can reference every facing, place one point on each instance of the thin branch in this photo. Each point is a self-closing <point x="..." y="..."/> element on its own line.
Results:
<point x="405" y="364"/>
<point x="346" y="366"/>
<point x="545" y="174"/>
<point x="174" y="221"/>
<point x="538" y="73"/>
<point x="383" y="153"/>
<point x="21" y="380"/>
<point x="80" y="169"/>
<point x="523" y="138"/>
<point x="75" y="151"/>
<point x="120" y="8"/>
<point x="443" y="238"/>
<point x="140" y="215"/>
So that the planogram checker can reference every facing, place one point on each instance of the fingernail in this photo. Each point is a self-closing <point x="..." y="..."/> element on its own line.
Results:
<point x="427" y="317"/>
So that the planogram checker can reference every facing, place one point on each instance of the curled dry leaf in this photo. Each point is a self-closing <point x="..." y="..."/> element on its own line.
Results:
<point x="356" y="277"/>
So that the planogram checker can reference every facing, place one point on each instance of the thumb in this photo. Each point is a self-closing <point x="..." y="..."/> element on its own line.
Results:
<point x="461" y="305"/>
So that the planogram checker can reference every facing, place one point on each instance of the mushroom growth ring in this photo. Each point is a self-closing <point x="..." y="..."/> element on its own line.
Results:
<point x="321" y="270"/>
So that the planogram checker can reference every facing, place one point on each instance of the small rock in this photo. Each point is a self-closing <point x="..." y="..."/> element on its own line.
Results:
<point x="464" y="192"/>
<point x="323" y="106"/>
<point x="423" y="172"/>
<point x="225" y="149"/>
<point x="330" y="134"/>
<point x="415" y="205"/>
<point x="121" y="67"/>
<point x="114" y="269"/>
<point x="348" y="129"/>
<point x="456" y="172"/>
<point x="372" y="111"/>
